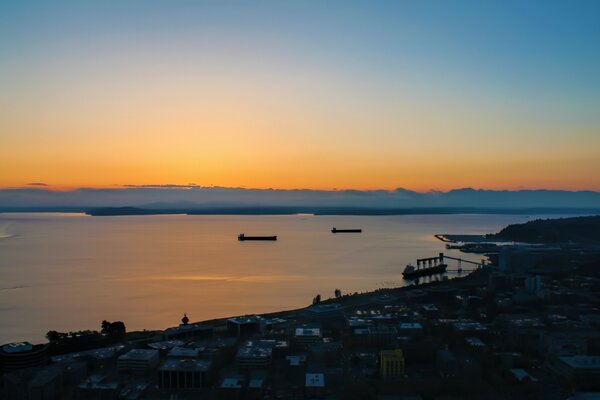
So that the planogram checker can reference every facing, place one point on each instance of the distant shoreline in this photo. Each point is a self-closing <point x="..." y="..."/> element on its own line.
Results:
<point x="293" y="210"/>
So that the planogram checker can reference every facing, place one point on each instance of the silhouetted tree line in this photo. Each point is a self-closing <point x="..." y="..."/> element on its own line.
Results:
<point x="113" y="328"/>
<point x="116" y="328"/>
<point x="55" y="336"/>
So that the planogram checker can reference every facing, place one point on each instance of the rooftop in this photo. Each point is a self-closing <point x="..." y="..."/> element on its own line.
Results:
<point x="246" y="319"/>
<point x="232" y="383"/>
<point x="475" y="342"/>
<point x="253" y="352"/>
<point x="139" y="355"/>
<point x="324" y="308"/>
<point x="410" y="325"/>
<point x="17" y="347"/>
<point x="582" y="362"/>
<point x="296" y="360"/>
<point x="103" y="353"/>
<point x="307" y="331"/>
<point x="256" y="383"/>
<point x="185" y="351"/>
<point x="185" y="365"/>
<point x="315" y="380"/>
<point x="166" y="344"/>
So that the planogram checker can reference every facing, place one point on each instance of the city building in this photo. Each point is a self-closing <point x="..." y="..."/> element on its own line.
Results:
<point x="259" y="353"/>
<point x="16" y="356"/>
<point x="97" y="387"/>
<point x="391" y="363"/>
<point x="184" y="374"/>
<point x="583" y="371"/>
<point x="245" y="325"/>
<point x="138" y="361"/>
<point x="185" y="352"/>
<point x="231" y="387"/>
<point x="314" y="385"/>
<point x="307" y="334"/>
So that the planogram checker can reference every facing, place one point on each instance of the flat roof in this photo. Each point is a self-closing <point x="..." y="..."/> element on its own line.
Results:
<point x="474" y="341"/>
<point x="103" y="353"/>
<point x="296" y="360"/>
<point x="469" y="326"/>
<point x="355" y="322"/>
<point x="324" y="308"/>
<point x="232" y="383"/>
<point x="256" y="383"/>
<point x="315" y="380"/>
<point x="185" y="365"/>
<point x="247" y="319"/>
<point x="307" y="332"/>
<point x="582" y="362"/>
<point x="254" y="352"/>
<point x="139" y="354"/>
<point x="410" y="325"/>
<point x="17" y="347"/>
<point x="166" y="344"/>
<point x="185" y="351"/>
<point x="97" y="381"/>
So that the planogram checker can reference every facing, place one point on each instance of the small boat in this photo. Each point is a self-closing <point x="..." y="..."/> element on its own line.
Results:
<point x="242" y="237"/>
<point x="410" y="272"/>
<point x="336" y="230"/>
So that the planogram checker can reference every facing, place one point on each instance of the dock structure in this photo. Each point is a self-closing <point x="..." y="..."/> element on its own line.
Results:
<point x="430" y="261"/>
<point x="434" y="261"/>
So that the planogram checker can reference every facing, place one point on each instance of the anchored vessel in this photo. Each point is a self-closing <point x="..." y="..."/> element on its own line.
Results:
<point x="242" y="237"/>
<point x="411" y="272"/>
<point x="335" y="230"/>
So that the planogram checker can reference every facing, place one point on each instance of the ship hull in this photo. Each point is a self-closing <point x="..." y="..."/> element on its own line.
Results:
<point x="263" y="238"/>
<point x="438" y="269"/>
<point x="346" y="230"/>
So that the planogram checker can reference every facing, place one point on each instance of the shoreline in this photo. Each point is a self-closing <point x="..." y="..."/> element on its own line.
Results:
<point x="351" y="300"/>
<point x="304" y="210"/>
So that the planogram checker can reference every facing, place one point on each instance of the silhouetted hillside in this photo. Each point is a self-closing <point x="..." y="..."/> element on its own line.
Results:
<point x="561" y="230"/>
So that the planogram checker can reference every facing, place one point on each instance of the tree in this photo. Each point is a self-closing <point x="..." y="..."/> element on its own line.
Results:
<point x="317" y="299"/>
<point x="338" y="293"/>
<point x="113" y="328"/>
<point x="53" y="336"/>
<point x="117" y="328"/>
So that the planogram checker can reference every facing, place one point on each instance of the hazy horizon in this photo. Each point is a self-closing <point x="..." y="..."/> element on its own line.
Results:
<point x="186" y="196"/>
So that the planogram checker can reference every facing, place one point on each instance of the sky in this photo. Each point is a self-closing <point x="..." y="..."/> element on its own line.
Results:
<point x="424" y="95"/>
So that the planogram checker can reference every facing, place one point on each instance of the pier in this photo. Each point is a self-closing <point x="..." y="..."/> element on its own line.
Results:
<point x="439" y="260"/>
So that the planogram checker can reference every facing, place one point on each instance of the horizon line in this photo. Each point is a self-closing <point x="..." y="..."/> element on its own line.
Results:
<point x="190" y="186"/>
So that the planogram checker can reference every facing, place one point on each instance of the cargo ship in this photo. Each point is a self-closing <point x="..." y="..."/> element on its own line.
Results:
<point x="242" y="237"/>
<point x="411" y="272"/>
<point x="336" y="230"/>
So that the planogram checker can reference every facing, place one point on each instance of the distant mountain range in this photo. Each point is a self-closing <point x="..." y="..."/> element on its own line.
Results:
<point x="196" y="199"/>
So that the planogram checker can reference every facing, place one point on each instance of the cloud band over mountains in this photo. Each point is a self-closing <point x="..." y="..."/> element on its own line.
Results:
<point x="193" y="196"/>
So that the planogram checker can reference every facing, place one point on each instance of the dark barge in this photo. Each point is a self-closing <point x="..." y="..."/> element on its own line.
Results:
<point x="411" y="272"/>
<point x="242" y="237"/>
<point x="336" y="230"/>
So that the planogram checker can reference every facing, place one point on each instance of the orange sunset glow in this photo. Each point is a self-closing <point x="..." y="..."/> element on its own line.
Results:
<point x="320" y="108"/>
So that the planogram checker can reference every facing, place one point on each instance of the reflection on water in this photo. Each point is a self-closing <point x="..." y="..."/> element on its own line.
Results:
<point x="69" y="272"/>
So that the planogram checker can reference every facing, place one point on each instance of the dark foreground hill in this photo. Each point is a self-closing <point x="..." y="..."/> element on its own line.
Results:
<point x="560" y="230"/>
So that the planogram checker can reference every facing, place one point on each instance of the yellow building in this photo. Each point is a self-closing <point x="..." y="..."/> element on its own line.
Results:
<point x="391" y="363"/>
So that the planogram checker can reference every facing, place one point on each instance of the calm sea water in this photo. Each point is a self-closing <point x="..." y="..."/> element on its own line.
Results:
<point x="70" y="271"/>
